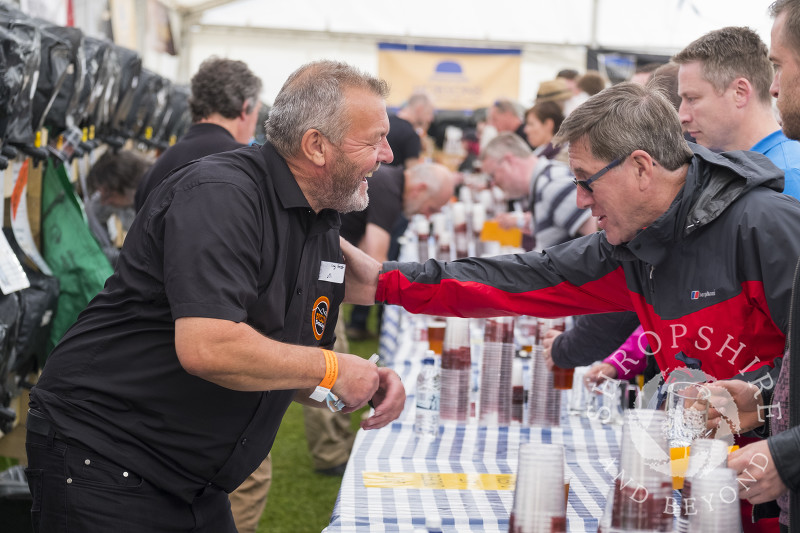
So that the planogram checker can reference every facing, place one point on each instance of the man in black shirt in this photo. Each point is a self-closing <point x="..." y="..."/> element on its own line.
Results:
<point x="224" y="105"/>
<point x="408" y="127"/>
<point x="169" y="389"/>
<point x="397" y="194"/>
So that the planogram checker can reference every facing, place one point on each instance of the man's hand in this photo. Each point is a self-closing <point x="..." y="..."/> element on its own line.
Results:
<point x="389" y="400"/>
<point x="547" y="343"/>
<point x="357" y="382"/>
<point x="738" y="402"/>
<point x="599" y="373"/>
<point x="757" y="474"/>
<point x="515" y="220"/>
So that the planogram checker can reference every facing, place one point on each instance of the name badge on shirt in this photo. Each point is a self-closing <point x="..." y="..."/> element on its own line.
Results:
<point x="333" y="272"/>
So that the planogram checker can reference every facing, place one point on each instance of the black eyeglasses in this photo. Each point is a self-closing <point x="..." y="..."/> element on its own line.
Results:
<point x="586" y="184"/>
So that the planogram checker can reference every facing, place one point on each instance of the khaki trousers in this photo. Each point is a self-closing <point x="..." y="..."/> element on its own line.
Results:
<point x="249" y="499"/>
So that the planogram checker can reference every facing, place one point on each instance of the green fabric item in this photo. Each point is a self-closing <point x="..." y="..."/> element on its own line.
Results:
<point x="69" y="249"/>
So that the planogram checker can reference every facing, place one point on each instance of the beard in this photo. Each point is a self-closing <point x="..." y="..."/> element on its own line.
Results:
<point x="346" y="194"/>
<point x="342" y="191"/>
<point x="789" y="107"/>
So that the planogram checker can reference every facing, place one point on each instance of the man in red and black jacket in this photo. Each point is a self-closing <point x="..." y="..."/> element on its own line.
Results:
<point x="702" y="246"/>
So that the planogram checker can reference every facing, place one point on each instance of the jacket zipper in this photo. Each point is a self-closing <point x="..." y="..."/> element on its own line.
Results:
<point x="651" y="284"/>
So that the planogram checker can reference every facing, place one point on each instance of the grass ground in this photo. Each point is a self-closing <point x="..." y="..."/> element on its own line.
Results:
<point x="300" y="500"/>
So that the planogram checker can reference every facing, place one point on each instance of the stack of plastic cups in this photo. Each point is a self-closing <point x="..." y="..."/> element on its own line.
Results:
<point x="544" y="401"/>
<point x="478" y="219"/>
<point x="456" y="370"/>
<point x="517" y="391"/>
<point x="643" y="486"/>
<point x="486" y="199"/>
<point x="443" y="235"/>
<point x="706" y="455"/>
<point x="460" y="233"/>
<point x="715" y="499"/>
<point x="539" y="505"/>
<point x="579" y="395"/>
<point x="526" y="331"/>
<point x="422" y="228"/>
<point x="608" y="510"/>
<point x="497" y="367"/>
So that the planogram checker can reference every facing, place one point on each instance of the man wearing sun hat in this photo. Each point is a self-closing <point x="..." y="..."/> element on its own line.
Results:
<point x="555" y="90"/>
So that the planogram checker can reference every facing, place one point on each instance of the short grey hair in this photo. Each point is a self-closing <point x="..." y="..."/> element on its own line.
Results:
<point x="504" y="143"/>
<point x="506" y="105"/>
<point x="427" y="173"/>
<point x="628" y="117"/>
<point x="313" y="97"/>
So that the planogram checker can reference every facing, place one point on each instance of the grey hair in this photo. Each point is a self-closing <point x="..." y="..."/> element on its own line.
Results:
<point x="223" y="86"/>
<point x="313" y="97"/>
<point x="506" y="105"/>
<point x="624" y="118"/>
<point x="427" y="173"/>
<point x="506" y="143"/>
<point x="419" y="99"/>
<point x="729" y="53"/>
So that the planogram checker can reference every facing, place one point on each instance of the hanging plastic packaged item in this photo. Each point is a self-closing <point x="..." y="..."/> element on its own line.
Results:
<point x="148" y="101"/>
<point x="177" y="119"/>
<point x="21" y="42"/>
<point x="54" y="65"/>
<point x="37" y="304"/>
<point x="70" y="249"/>
<point x="100" y="82"/>
<point x="130" y="69"/>
<point x="9" y="317"/>
<point x="67" y="107"/>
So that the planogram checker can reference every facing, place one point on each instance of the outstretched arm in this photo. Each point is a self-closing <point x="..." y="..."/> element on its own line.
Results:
<point x="361" y="275"/>
<point x="236" y="356"/>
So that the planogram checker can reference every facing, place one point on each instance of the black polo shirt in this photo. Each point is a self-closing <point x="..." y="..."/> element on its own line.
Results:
<point x="229" y="236"/>
<point x="200" y="140"/>
<point x="403" y="140"/>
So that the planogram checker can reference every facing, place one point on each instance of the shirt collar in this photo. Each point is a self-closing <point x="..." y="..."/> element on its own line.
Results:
<point x="286" y="188"/>
<point x="769" y="142"/>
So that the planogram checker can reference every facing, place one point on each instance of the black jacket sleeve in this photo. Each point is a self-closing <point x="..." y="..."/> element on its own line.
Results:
<point x="593" y="338"/>
<point x="785" y="449"/>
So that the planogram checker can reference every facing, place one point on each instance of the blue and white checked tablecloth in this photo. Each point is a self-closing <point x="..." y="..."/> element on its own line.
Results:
<point x="468" y="449"/>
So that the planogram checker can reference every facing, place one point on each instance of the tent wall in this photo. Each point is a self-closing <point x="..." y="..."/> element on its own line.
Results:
<point x="274" y="54"/>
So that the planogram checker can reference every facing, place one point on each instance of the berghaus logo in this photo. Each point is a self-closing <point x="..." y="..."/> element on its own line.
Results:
<point x="696" y="295"/>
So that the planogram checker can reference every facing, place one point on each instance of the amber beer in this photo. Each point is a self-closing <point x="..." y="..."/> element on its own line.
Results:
<point x="436" y="336"/>
<point x="562" y="378"/>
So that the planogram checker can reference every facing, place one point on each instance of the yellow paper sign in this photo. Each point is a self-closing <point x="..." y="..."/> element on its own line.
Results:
<point x="455" y="78"/>
<point x="438" y="480"/>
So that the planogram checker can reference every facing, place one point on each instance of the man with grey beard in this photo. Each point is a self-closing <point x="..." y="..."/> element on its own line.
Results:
<point x="171" y="385"/>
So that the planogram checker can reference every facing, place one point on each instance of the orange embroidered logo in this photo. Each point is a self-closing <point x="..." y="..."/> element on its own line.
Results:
<point x="319" y="316"/>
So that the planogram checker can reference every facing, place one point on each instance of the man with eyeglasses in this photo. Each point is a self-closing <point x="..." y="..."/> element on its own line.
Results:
<point x="702" y="246"/>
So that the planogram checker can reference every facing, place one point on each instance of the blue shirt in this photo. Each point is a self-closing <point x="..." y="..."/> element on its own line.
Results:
<point x="785" y="153"/>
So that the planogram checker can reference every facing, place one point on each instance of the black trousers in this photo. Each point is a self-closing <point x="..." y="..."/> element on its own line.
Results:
<point x="78" y="491"/>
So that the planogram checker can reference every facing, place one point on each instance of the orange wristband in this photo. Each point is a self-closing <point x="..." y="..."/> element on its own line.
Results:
<point x="331" y="373"/>
<point x="331" y="370"/>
